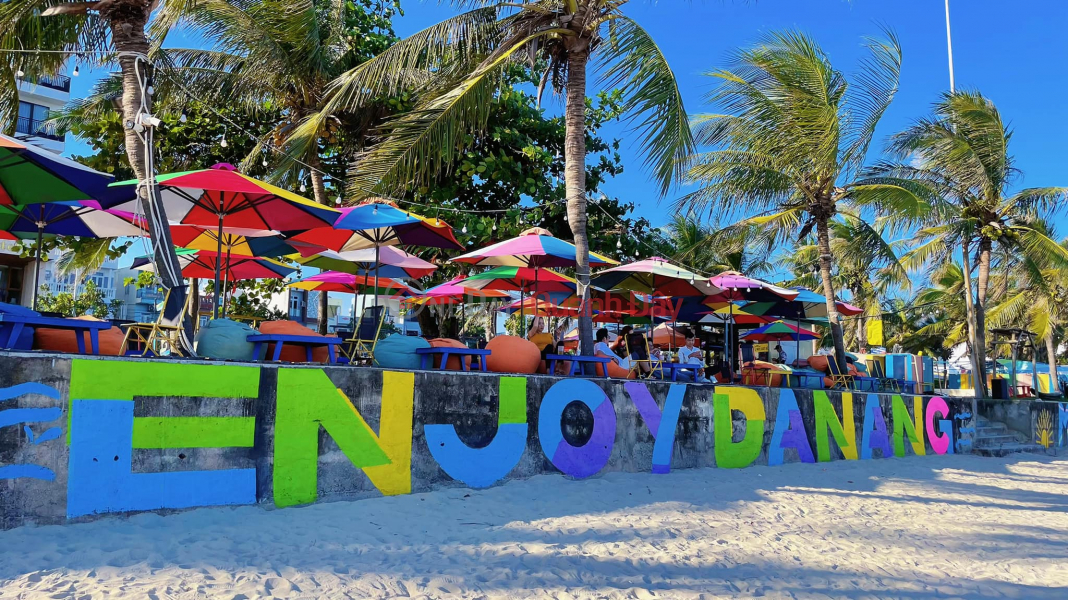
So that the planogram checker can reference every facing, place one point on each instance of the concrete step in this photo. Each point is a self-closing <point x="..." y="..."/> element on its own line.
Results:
<point x="1007" y="449"/>
<point x="995" y="440"/>
<point x="992" y="429"/>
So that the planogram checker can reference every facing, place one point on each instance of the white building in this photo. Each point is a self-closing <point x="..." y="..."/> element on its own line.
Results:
<point x="37" y="99"/>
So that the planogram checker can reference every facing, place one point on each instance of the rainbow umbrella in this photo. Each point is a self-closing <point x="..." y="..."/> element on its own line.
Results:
<point x="518" y="279"/>
<point x="33" y="179"/>
<point x="377" y="223"/>
<point x="333" y="281"/>
<point x="234" y="241"/>
<point x="534" y="248"/>
<point x="221" y="197"/>
<point x="779" y="332"/>
<point x="32" y="175"/>
<point x="391" y="262"/>
<point x="203" y="264"/>
<point x="453" y="292"/>
<point x="734" y="286"/>
<point x="808" y="306"/>
<point x="653" y="275"/>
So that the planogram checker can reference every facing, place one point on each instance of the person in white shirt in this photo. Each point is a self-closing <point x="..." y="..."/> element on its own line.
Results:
<point x="690" y="354"/>
<point x="602" y="348"/>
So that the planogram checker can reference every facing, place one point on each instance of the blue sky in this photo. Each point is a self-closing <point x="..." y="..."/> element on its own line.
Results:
<point x="1011" y="52"/>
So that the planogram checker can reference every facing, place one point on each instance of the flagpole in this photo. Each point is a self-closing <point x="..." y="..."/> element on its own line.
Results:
<point x="949" y="47"/>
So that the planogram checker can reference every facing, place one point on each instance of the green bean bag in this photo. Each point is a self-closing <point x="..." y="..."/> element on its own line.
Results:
<point x="225" y="339"/>
<point x="397" y="351"/>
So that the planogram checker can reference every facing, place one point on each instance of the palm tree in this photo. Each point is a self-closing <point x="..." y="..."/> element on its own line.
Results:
<point x="867" y="265"/>
<point x="111" y="26"/>
<point x="791" y="136"/>
<point x="282" y="54"/>
<point x="1036" y="301"/>
<point x="453" y="69"/>
<point x="950" y="178"/>
<point x="702" y="248"/>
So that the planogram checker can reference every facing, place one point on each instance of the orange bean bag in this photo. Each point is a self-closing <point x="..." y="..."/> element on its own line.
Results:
<point x="453" y="363"/>
<point x="510" y="354"/>
<point x="615" y="370"/>
<point x="818" y="362"/>
<point x="58" y="340"/>
<point x="293" y="353"/>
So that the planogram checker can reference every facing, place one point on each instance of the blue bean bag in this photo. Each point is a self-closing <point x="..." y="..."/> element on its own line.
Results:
<point x="225" y="339"/>
<point x="25" y="340"/>
<point x="397" y="351"/>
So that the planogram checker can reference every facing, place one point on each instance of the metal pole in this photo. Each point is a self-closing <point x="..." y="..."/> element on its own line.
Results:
<point x="37" y="267"/>
<point x="949" y="46"/>
<point x="218" y="265"/>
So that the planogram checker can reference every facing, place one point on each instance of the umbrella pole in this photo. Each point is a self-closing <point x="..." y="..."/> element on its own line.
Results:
<point x="37" y="267"/>
<point x="797" y="343"/>
<point x="522" y="314"/>
<point x="228" y="284"/>
<point x="218" y="265"/>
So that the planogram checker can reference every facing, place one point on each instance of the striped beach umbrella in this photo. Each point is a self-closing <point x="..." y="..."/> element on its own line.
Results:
<point x="392" y="262"/>
<point x="334" y="281"/>
<point x="221" y="197"/>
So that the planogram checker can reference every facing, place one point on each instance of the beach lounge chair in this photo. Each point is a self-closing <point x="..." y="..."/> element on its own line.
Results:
<point x="885" y="383"/>
<point x="361" y="346"/>
<point x="638" y="342"/>
<point x="152" y="339"/>
<point x="837" y="377"/>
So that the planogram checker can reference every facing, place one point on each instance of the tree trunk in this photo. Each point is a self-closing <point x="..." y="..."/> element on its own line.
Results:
<point x="491" y="321"/>
<point x="823" y="237"/>
<point x="127" y="21"/>
<point x="1051" y="358"/>
<point x="319" y="193"/>
<point x="194" y="302"/>
<point x="575" y="179"/>
<point x="978" y="351"/>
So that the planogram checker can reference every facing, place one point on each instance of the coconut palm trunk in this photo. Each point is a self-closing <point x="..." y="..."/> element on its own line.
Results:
<point x="978" y="351"/>
<point x="1051" y="358"/>
<point x="575" y="182"/>
<point x="319" y="193"/>
<point x="127" y="21"/>
<point x="823" y="239"/>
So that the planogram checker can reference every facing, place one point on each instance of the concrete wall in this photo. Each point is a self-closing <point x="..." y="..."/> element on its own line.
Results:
<point x="82" y="437"/>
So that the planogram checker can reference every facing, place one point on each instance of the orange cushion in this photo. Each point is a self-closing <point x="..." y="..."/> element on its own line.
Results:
<point x="58" y="340"/>
<point x="818" y="362"/>
<point x="510" y="354"/>
<point x="453" y="363"/>
<point x="293" y="353"/>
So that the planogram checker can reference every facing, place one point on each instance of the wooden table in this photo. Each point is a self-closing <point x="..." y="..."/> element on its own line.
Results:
<point x="77" y="326"/>
<point x="446" y="352"/>
<point x="308" y="341"/>
<point x="576" y="360"/>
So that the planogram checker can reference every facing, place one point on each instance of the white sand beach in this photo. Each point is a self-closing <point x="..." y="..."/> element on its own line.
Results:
<point x="915" y="528"/>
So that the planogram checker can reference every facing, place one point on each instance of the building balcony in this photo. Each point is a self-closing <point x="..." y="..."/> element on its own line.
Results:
<point x="36" y="128"/>
<point x="55" y="82"/>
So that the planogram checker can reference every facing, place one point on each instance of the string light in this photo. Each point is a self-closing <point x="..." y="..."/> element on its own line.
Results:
<point x="338" y="200"/>
<point x="75" y="73"/>
<point x="20" y="73"/>
<point x="464" y="230"/>
<point x="303" y="188"/>
<point x="375" y="211"/>
<point x="183" y="118"/>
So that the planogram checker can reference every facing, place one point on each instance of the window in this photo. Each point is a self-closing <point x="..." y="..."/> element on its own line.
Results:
<point x="10" y="284"/>
<point x="32" y="119"/>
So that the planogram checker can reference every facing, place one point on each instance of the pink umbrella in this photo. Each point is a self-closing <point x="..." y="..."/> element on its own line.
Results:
<point x="734" y="286"/>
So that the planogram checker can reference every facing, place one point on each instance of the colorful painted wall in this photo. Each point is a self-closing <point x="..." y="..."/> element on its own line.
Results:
<point x="87" y="437"/>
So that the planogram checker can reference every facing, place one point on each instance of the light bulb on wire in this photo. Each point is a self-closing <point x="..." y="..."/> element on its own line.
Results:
<point x="223" y="142"/>
<point x="20" y="73"/>
<point x="338" y="200"/>
<point x="75" y="73"/>
<point x="464" y="230"/>
<point x="303" y="188"/>
<point x="183" y="118"/>
<point x="375" y="211"/>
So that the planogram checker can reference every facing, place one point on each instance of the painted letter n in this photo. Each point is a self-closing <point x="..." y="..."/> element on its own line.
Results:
<point x="307" y="399"/>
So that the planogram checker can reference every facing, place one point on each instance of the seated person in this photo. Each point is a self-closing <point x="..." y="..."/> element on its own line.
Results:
<point x="620" y="345"/>
<point x="601" y="348"/>
<point x="640" y="352"/>
<point x="690" y="354"/>
<point x="541" y="338"/>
